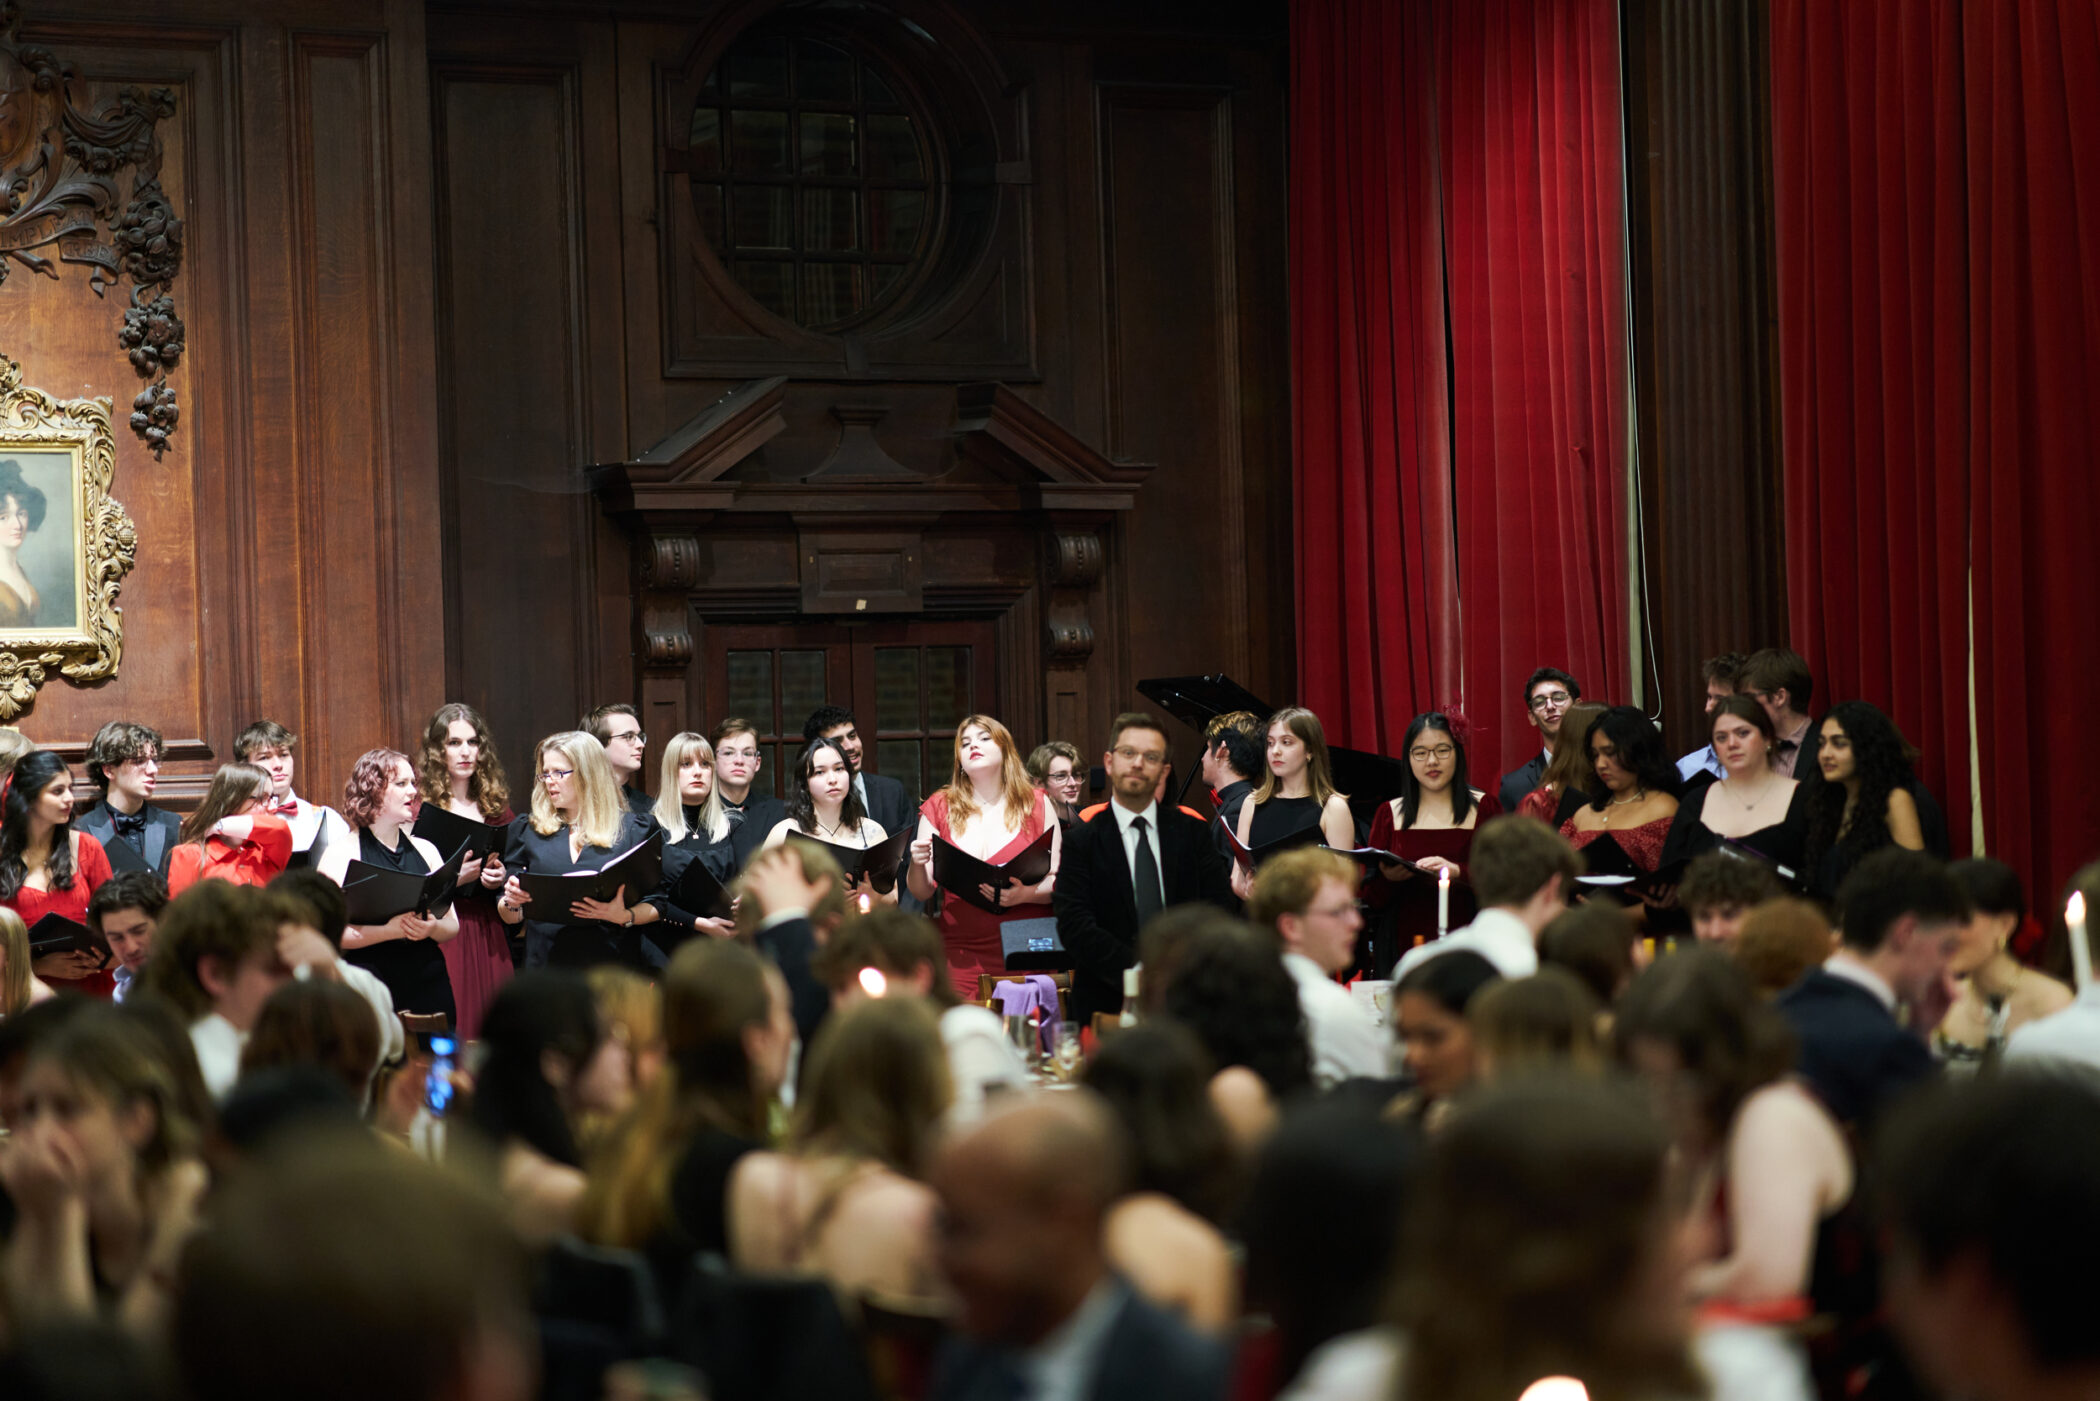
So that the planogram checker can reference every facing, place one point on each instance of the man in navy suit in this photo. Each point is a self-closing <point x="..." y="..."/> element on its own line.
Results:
<point x="1547" y="696"/>
<point x="1023" y="1197"/>
<point x="1899" y="913"/>
<point x="123" y="760"/>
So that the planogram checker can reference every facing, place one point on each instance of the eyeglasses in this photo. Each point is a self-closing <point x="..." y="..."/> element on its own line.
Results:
<point x="1131" y="756"/>
<point x="1551" y="700"/>
<point x="637" y="736"/>
<point x="1332" y="911"/>
<point x="1440" y="753"/>
<point x="556" y="775"/>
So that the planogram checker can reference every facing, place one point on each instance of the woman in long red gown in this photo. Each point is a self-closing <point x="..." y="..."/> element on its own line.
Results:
<point x="48" y="868"/>
<point x="459" y="771"/>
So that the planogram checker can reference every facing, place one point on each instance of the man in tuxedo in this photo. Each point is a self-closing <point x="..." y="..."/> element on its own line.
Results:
<point x="1783" y="685"/>
<point x="1900" y="914"/>
<point x="123" y="761"/>
<point x="1126" y="864"/>
<point x="1547" y="696"/>
<point x="1232" y="756"/>
<point x="619" y="729"/>
<point x="1722" y="675"/>
<point x="315" y="826"/>
<point x="1023" y="1199"/>
<point x="752" y="811"/>
<point x="884" y="799"/>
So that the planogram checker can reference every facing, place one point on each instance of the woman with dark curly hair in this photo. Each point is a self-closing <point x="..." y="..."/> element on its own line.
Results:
<point x="1859" y="794"/>
<point x="46" y="867"/>
<point x="1632" y="787"/>
<point x="21" y="511"/>
<point x="406" y="953"/>
<point x="461" y="774"/>
<point x="1230" y="987"/>
<point x="1752" y="805"/>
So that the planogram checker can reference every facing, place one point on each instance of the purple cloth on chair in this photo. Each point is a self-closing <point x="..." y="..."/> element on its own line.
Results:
<point x="1034" y="997"/>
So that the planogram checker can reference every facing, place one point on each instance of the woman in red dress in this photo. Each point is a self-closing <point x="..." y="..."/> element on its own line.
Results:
<point x="1633" y="790"/>
<point x="459" y="771"/>
<point x="991" y="810"/>
<point x="48" y="868"/>
<point x="1431" y="823"/>
<point x="230" y="837"/>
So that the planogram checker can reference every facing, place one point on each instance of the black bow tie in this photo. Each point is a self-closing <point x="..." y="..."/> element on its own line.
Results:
<point x="132" y="826"/>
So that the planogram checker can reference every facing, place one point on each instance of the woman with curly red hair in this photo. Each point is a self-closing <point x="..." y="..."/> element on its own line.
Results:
<point x="406" y="953"/>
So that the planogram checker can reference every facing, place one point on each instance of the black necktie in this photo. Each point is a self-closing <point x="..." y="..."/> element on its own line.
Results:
<point x="1144" y="882"/>
<point x="133" y="826"/>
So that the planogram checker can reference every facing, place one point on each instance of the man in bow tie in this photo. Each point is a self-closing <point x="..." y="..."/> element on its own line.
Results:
<point x="123" y="761"/>
<point x="270" y="747"/>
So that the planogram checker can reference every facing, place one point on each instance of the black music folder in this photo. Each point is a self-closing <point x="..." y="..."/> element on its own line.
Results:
<point x="54" y="933"/>
<point x="698" y="892"/>
<point x="640" y="869"/>
<point x="882" y="862"/>
<point x="376" y="894"/>
<point x="960" y="873"/>
<point x="1251" y="858"/>
<point x="447" y="831"/>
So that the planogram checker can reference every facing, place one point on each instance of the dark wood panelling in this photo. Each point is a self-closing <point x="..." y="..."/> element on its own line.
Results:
<point x="1697" y="99"/>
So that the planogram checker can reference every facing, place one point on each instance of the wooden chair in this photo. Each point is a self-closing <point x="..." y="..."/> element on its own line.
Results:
<point x="1106" y="1024"/>
<point x="418" y="1024"/>
<point x="1063" y="981"/>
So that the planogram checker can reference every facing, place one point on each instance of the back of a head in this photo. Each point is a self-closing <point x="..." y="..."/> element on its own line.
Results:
<point x="2005" y="1172"/>
<point x="1230" y="987"/>
<point x="1992" y="886"/>
<point x="1166" y="936"/>
<point x="1514" y="857"/>
<point x="877" y="1084"/>
<point x="317" y="895"/>
<point x="1593" y="941"/>
<point x="1041" y="1151"/>
<point x="1156" y="1077"/>
<point x="1702" y="1006"/>
<point x="1723" y="880"/>
<point x="536" y="1013"/>
<point x="265" y="1106"/>
<point x="336" y="1270"/>
<point x="1781" y="940"/>
<point x="1290" y="882"/>
<point x="894" y="942"/>
<point x="1779" y="668"/>
<point x="212" y="919"/>
<point x="1547" y="1021"/>
<point x="1891" y="884"/>
<point x="1240" y="732"/>
<point x="316" y="1023"/>
<point x="713" y="990"/>
<point x="1451" y="980"/>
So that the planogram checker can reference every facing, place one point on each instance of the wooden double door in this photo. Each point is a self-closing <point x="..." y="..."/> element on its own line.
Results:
<point x="908" y="684"/>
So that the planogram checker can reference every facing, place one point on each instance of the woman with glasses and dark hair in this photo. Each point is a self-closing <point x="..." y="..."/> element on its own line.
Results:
<point x="1431" y="824"/>
<point x="1632" y="787"/>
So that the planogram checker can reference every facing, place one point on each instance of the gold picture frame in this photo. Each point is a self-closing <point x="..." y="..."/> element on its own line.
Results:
<point x="65" y="543"/>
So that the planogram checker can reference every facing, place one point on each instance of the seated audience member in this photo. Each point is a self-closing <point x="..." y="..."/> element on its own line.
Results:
<point x="83" y="1360"/>
<point x="1547" y="695"/>
<point x="337" y="1270"/>
<point x="541" y="1039"/>
<point x="1901" y="916"/>
<point x="1024" y="1200"/>
<point x="1524" y="1026"/>
<point x="618" y="730"/>
<point x="1631" y="786"/>
<point x="319" y="902"/>
<point x="2074" y="1033"/>
<point x="1999" y="994"/>
<point x="1162" y="943"/>
<point x="752" y="809"/>
<point x="123" y="913"/>
<point x="102" y="1172"/>
<point x="990" y="810"/>
<point x="1230" y="988"/>
<point x="406" y="952"/>
<point x="19" y="1035"/>
<point x="846" y="1200"/>
<point x="579" y="823"/>
<point x="905" y="950"/>
<point x="1125" y="865"/>
<point x="1779" y="681"/>
<point x="319" y="1024"/>
<point x="1296" y="791"/>
<point x="231" y="835"/>
<point x="1059" y="774"/>
<point x="659" y="1182"/>
<point x="1718" y="892"/>
<point x="1861" y="794"/>
<point x="123" y="762"/>
<point x="633" y="1013"/>
<point x="1232" y="767"/>
<point x="19" y="987"/>
<point x="1322" y="1227"/>
<point x="1765" y="1159"/>
<point x="790" y="900"/>
<point x="1595" y="943"/>
<point x="458" y="770"/>
<point x="1989" y="1195"/>
<point x="1431" y="824"/>
<point x="1430" y="1003"/>
<point x="1752" y="805"/>
<point x="696" y="828"/>
<point x="823" y="806"/>
<point x="1721" y="675"/>
<point x="883" y="799"/>
<point x="1164" y="1236"/>
<point x="1564" y="783"/>
<point x="1308" y="898"/>
<point x="48" y="866"/>
<point x="1781" y="942"/>
<point x="272" y="748"/>
<point x="1523" y="873"/>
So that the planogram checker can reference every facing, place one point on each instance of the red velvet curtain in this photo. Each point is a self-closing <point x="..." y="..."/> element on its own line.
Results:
<point x="1872" y="249"/>
<point x="1459" y="471"/>
<point x="2032" y="70"/>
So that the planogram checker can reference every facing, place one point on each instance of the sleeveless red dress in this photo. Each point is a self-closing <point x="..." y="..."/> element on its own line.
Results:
<point x="90" y="869"/>
<point x="971" y="935"/>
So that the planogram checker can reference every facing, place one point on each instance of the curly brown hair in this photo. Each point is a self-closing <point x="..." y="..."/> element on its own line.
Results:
<point x="489" y="788"/>
<point x="368" y="780"/>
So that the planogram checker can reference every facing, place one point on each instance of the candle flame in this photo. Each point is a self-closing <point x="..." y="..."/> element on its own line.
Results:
<point x="2074" y="912"/>
<point x="1443" y="875"/>
<point x="1555" y="1389"/>
<point x="865" y="902"/>
<point x="873" y="983"/>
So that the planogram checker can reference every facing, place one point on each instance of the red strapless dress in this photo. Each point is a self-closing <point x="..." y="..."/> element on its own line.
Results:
<point x="1644" y="844"/>
<point x="971" y="935"/>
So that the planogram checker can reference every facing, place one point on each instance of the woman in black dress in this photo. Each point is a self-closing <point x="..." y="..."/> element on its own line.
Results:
<point x="1752" y="805"/>
<point x="406" y="953"/>
<point x="580" y="822"/>
<point x="1297" y="792"/>
<point x="696" y="827"/>
<point x="1860" y="791"/>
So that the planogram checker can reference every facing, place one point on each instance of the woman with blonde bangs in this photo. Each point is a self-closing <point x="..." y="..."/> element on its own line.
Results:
<point x="992" y="810"/>
<point x="696" y="826"/>
<point x="18" y="985"/>
<point x="457" y="770"/>
<point x="1296" y="791"/>
<point x="579" y="822"/>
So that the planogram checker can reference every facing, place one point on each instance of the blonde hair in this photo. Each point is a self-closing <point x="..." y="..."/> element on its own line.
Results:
<point x="877" y="1085"/>
<point x="1547" y="1021"/>
<point x="819" y="867"/>
<point x="14" y="950"/>
<point x="1289" y="883"/>
<point x="1016" y="786"/>
<point x="1318" y="772"/>
<point x="670" y="808"/>
<point x="598" y="808"/>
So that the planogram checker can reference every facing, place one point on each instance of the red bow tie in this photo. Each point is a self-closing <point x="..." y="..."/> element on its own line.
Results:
<point x="287" y="808"/>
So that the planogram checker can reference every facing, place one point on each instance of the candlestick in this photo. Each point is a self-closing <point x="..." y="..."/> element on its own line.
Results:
<point x="2081" y="945"/>
<point x="1443" y="901"/>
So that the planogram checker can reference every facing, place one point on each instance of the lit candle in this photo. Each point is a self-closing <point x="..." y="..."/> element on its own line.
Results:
<point x="873" y="983"/>
<point x="2081" y="946"/>
<point x="1555" y="1389"/>
<point x="866" y="901"/>
<point x="1443" y="901"/>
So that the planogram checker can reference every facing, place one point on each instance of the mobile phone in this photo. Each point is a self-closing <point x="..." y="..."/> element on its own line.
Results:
<point x="437" y="1085"/>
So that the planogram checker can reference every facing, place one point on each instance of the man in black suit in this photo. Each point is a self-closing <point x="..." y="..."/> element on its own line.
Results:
<point x="123" y="760"/>
<point x="752" y="811"/>
<point x="1547" y="696"/>
<point x="619" y="728"/>
<point x="1900" y="914"/>
<point x="1023" y="1197"/>
<point x="884" y="799"/>
<point x="1232" y="758"/>
<point x="1135" y="858"/>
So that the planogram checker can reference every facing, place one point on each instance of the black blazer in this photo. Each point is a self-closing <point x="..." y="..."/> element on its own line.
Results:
<point x="1854" y="1054"/>
<point x="1517" y="782"/>
<point x="582" y="945"/>
<point x="889" y="804"/>
<point x="1147" y="1355"/>
<point x="1097" y="919"/>
<point x="155" y="850"/>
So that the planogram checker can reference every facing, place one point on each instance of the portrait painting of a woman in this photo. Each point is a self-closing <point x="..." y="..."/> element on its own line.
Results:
<point x="22" y="509"/>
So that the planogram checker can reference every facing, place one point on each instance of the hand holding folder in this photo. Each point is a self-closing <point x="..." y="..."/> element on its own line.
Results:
<point x="634" y="873"/>
<point x="966" y="877"/>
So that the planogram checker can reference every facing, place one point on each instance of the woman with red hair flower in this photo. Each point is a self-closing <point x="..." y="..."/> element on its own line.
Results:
<point x="406" y="953"/>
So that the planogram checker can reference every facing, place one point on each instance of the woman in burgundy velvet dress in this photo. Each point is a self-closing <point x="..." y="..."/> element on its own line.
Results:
<point x="1431" y="823"/>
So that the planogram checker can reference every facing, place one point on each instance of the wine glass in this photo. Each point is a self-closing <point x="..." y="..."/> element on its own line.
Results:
<point x="1068" y="1052"/>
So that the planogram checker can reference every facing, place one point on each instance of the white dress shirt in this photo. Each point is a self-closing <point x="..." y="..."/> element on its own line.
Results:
<point x="1126" y="821"/>
<point x="1346" y="1043"/>
<point x="314" y="828"/>
<point x="1496" y="935"/>
<point x="218" y="1045"/>
<point x="1843" y="965"/>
